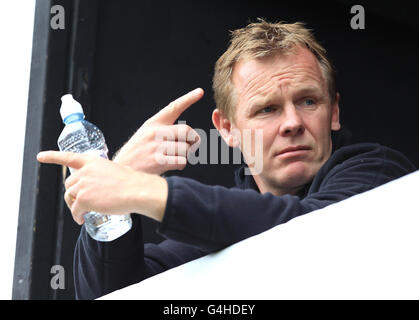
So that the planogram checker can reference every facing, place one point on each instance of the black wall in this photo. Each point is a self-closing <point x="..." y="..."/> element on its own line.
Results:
<point x="151" y="52"/>
<point x="140" y="55"/>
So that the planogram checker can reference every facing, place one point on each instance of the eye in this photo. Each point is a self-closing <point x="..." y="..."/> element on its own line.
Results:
<point x="307" y="103"/>
<point x="266" y="109"/>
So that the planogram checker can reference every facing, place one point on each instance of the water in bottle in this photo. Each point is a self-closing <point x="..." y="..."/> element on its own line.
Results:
<point x="81" y="136"/>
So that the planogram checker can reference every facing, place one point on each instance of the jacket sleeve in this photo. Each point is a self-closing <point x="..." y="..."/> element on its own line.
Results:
<point x="102" y="267"/>
<point x="213" y="217"/>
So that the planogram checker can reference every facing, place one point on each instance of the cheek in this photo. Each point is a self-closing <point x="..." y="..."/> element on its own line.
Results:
<point x="270" y="137"/>
<point x="321" y="132"/>
<point x="255" y="139"/>
<point x="263" y="140"/>
<point x="318" y="124"/>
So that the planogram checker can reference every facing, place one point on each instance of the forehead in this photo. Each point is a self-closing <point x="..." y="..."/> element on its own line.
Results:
<point x="298" y="67"/>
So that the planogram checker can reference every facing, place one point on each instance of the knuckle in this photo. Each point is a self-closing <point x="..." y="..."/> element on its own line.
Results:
<point x="72" y="157"/>
<point x="160" y="159"/>
<point x="150" y="133"/>
<point x="184" y="128"/>
<point x="158" y="147"/>
<point x="159" y="134"/>
<point x="194" y="136"/>
<point x="67" y="183"/>
<point x="81" y="197"/>
<point x="181" y="166"/>
<point x="77" y="219"/>
<point x="67" y="202"/>
<point x="82" y="182"/>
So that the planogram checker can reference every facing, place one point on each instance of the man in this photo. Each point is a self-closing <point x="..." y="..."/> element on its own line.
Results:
<point x="274" y="78"/>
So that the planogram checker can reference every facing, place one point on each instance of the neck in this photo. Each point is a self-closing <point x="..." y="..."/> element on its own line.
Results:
<point x="265" y="187"/>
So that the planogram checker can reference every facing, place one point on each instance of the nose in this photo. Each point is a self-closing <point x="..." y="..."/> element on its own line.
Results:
<point x="292" y="123"/>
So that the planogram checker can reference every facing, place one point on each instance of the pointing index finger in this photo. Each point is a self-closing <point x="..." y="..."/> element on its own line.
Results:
<point x="68" y="159"/>
<point x="170" y="113"/>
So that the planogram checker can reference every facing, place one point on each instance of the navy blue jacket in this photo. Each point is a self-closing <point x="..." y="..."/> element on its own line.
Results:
<point x="200" y="219"/>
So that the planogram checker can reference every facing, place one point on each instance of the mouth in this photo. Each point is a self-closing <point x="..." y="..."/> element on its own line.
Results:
<point x="293" y="151"/>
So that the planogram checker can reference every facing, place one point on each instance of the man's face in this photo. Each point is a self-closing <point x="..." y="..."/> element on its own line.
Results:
<point x="287" y="97"/>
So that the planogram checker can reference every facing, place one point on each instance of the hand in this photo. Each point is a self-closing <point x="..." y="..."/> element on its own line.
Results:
<point x="159" y="145"/>
<point x="103" y="186"/>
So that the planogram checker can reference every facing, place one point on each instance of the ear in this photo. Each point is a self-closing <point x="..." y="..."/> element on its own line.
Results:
<point x="335" y="123"/>
<point x="224" y="127"/>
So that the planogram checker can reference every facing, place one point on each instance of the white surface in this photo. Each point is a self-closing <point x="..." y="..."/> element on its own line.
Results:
<point x="365" y="247"/>
<point x="16" y="27"/>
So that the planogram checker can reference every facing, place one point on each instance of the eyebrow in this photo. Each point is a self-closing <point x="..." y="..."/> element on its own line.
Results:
<point x="265" y="101"/>
<point x="309" y="90"/>
<point x="268" y="100"/>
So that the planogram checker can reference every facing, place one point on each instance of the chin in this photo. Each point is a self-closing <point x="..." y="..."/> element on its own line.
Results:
<point x="295" y="175"/>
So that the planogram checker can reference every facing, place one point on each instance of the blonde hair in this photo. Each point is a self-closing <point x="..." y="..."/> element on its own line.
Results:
<point x="259" y="40"/>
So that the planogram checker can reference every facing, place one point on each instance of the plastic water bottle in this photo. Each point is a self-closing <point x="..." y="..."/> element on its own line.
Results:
<point x="81" y="136"/>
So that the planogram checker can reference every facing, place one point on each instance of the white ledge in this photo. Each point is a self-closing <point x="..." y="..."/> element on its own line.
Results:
<point x="365" y="247"/>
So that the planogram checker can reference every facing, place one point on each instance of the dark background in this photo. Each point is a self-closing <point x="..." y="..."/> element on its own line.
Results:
<point x="125" y="60"/>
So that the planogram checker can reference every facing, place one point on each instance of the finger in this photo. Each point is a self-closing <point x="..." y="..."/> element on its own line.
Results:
<point x="175" y="162"/>
<point x="68" y="159"/>
<point x="177" y="132"/>
<point x="69" y="198"/>
<point x="193" y="137"/>
<point x="175" y="148"/>
<point x="78" y="212"/>
<point x="71" y="180"/>
<point x="171" y="162"/>
<point x="170" y="113"/>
